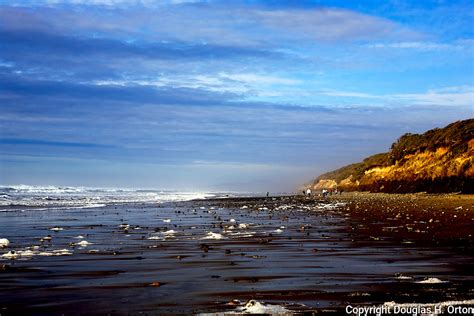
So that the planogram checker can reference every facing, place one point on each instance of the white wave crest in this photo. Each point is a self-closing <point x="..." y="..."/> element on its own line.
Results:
<point x="29" y="197"/>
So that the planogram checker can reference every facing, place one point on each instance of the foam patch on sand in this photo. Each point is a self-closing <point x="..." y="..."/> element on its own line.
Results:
<point x="30" y="253"/>
<point x="4" y="242"/>
<point x="284" y="207"/>
<point x="331" y="206"/>
<point x="211" y="235"/>
<point x="59" y="252"/>
<point x="164" y="235"/>
<point x="403" y="277"/>
<point x="19" y="254"/>
<point x="84" y="243"/>
<point x="246" y="233"/>
<point x="432" y="281"/>
<point x="155" y="238"/>
<point x="253" y="307"/>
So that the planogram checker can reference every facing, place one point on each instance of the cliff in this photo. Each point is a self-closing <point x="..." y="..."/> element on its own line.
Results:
<point x="440" y="160"/>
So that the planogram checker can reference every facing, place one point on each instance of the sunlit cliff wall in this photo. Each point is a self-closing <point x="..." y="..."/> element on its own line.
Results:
<point x="440" y="160"/>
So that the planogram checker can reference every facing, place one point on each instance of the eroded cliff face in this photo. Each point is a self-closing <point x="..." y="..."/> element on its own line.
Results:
<point x="441" y="160"/>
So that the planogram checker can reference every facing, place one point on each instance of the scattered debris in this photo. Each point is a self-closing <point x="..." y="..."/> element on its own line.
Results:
<point x="431" y="281"/>
<point x="4" y="243"/>
<point x="211" y="235"/>
<point x="255" y="307"/>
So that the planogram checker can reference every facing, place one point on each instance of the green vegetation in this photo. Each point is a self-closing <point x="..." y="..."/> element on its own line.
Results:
<point x="414" y="164"/>
<point x="454" y="136"/>
<point x="357" y="170"/>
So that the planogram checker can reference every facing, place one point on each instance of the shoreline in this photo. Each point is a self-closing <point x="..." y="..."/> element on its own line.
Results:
<point x="436" y="219"/>
<point x="298" y="253"/>
<point x="439" y="218"/>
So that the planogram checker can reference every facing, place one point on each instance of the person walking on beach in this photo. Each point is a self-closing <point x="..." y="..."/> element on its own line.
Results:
<point x="308" y="192"/>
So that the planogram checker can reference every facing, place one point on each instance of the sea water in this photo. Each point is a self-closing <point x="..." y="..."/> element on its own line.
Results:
<point x="28" y="197"/>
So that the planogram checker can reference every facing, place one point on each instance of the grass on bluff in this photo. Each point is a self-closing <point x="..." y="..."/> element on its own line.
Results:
<point x="454" y="137"/>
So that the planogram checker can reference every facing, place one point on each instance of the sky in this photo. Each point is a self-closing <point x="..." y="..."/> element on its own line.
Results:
<point x="222" y="95"/>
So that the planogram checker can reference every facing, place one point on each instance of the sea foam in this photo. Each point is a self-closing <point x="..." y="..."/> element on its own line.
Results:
<point x="54" y="197"/>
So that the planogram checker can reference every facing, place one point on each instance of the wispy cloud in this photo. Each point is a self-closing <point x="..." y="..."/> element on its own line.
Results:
<point x="237" y="83"/>
<point x="69" y="45"/>
<point x="225" y="24"/>
<point x="259" y="79"/>
<point x="352" y="94"/>
<point x="447" y="96"/>
<point x="452" y="96"/>
<point x="333" y="24"/>
<point x="110" y="3"/>
<point x="41" y="142"/>
<point x="426" y="46"/>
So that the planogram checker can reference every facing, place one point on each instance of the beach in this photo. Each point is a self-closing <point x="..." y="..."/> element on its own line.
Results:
<point x="288" y="254"/>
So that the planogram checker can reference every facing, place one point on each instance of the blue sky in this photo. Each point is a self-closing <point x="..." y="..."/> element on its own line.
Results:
<point x="222" y="95"/>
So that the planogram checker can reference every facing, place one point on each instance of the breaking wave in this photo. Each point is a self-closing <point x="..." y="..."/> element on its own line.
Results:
<point x="37" y="197"/>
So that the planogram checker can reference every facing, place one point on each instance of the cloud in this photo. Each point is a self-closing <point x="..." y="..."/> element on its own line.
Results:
<point x="101" y="3"/>
<point x="425" y="46"/>
<point x="335" y="93"/>
<point x="328" y="24"/>
<point x="259" y="79"/>
<point x="452" y="96"/>
<point x="22" y="141"/>
<point x="51" y="56"/>
<point x="229" y="24"/>
<point x="210" y="136"/>
<point x="14" y="88"/>
<point x="462" y="96"/>
<point x="236" y="83"/>
<point x="14" y="41"/>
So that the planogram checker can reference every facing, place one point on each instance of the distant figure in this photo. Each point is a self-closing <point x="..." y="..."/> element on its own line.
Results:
<point x="308" y="192"/>
<point x="268" y="193"/>
<point x="325" y="192"/>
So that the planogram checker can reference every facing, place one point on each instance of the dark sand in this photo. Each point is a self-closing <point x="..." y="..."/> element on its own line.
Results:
<point x="375" y="248"/>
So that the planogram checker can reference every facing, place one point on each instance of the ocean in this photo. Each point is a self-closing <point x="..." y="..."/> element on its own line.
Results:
<point x="27" y="197"/>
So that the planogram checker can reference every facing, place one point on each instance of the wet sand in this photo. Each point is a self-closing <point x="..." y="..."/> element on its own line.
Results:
<point x="429" y="219"/>
<point x="302" y="254"/>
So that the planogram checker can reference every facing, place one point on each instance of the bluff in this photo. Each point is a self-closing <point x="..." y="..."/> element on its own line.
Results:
<point x="440" y="160"/>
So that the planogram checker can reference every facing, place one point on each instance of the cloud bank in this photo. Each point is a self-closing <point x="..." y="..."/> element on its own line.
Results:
<point x="219" y="95"/>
